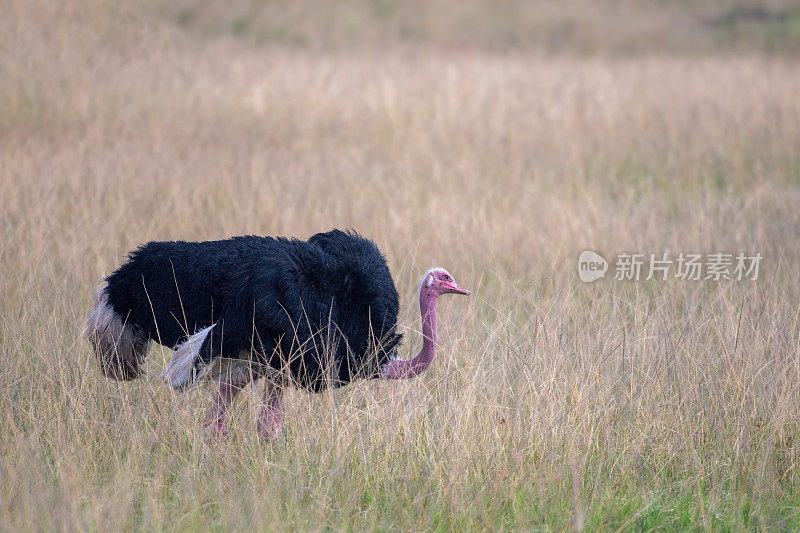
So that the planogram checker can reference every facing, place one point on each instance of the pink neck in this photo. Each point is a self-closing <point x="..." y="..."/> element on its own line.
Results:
<point x="399" y="368"/>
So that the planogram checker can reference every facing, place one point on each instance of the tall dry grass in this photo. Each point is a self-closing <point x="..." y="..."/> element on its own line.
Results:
<point x="551" y="404"/>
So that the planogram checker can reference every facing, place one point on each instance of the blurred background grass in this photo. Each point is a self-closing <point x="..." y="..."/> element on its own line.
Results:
<point x="580" y="27"/>
<point x="495" y="139"/>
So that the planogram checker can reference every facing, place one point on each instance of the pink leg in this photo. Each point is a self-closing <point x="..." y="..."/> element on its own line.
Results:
<point x="216" y="419"/>
<point x="271" y="417"/>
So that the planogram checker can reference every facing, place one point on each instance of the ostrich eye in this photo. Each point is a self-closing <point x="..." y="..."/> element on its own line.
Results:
<point x="446" y="277"/>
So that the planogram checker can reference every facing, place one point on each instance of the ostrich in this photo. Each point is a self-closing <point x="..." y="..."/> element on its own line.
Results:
<point x="314" y="314"/>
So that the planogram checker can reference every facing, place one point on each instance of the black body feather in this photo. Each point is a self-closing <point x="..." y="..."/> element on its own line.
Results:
<point x="321" y="312"/>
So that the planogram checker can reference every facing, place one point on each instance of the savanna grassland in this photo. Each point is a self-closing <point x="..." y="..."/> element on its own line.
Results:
<point x="496" y="141"/>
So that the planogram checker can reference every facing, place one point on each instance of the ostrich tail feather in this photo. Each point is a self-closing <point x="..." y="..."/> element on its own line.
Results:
<point x="120" y="347"/>
<point x="180" y="372"/>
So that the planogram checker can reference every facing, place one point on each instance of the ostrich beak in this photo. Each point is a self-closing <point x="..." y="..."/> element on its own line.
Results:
<point x="455" y="289"/>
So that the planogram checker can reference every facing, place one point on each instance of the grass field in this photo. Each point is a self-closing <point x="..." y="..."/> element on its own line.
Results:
<point x="553" y="404"/>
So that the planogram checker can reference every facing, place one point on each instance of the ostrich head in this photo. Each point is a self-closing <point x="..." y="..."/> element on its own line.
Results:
<point x="438" y="281"/>
<point x="435" y="282"/>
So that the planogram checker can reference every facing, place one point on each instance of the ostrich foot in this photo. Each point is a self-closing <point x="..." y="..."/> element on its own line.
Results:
<point x="217" y="418"/>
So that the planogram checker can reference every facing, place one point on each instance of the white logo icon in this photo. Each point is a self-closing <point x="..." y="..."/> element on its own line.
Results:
<point x="591" y="266"/>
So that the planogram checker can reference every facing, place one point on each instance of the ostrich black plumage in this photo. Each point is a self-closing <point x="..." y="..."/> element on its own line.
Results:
<point x="315" y="314"/>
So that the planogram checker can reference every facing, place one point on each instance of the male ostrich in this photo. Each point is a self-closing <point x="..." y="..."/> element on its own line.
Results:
<point x="314" y="313"/>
